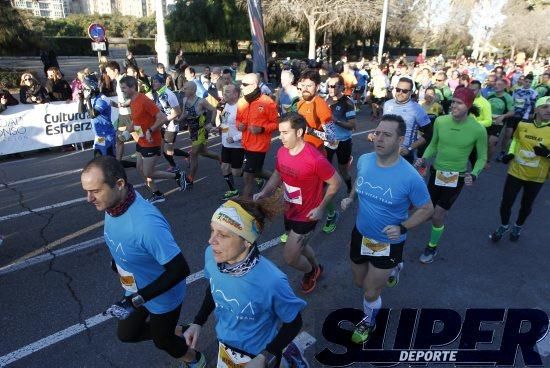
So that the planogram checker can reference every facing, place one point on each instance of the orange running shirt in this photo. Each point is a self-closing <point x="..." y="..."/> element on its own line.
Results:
<point x="144" y="112"/>
<point x="261" y="112"/>
<point x="316" y="112"/>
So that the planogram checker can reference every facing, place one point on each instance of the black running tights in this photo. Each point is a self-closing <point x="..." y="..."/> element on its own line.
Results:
<point x="512" y="186"/>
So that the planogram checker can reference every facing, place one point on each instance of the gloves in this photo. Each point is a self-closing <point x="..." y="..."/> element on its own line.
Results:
<point x="507" y="158"/>
<point x="122" y="309"/>
<point x="541" y="150"/>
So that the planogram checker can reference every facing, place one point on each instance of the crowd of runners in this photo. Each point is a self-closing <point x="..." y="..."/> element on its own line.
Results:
<point x="437" y="126"/>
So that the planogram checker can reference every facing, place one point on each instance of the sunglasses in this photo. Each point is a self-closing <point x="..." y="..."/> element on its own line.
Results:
<point x="440" y="80"/>
<point x="398" y="90"/>
<point x="27" y="79"/>
<point x="246" y="84"/>
<point x="332" y="85"/>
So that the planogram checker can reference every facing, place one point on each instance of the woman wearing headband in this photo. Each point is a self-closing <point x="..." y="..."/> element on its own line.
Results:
<point x="257" y="313"/>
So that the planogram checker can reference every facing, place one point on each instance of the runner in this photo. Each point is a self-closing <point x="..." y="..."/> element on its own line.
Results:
<point x="99" y="108"/>
<point x="232" y="149"/>
<point x="318" y="116"/>
<point x="386" y="186"/>
<point x="343" y="116"/>
<point x="268" y="314"/>
<point x="414" y="116"/>
<point x="524" y="101"/>
<point x="257" y="120"/>
<point x="454" y="138"/>
<point x="288" y="96"/>
<point x="148" y="260"/>
<point x="302" y="170"/>
<point x="443" y="91"/>
<point x="502" y="108"/>
<point x="529" y="168"/>
<point x="124" y="120"/>
<point x="168" y="103"/>
<point x="483" y="115"/>
<point x="194" y="116"/>
<point x="147" y="120"/>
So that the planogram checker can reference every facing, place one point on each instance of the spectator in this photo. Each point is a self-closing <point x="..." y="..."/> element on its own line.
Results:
<point x="6" y="99"/>
<point x="31" y="91"/>
<point x="144" y="78"/>
<point x="180" y="60"/>
<point x="180" y="76"/>
<point x="130" y="60"/>
<point x="234" y="70"/>
<point x="57" y="88"/>
<point x="161" y="71"/>
<point x="76" y="85"/>
<point x="454" y="80"/>
<point x="170" y="83"/>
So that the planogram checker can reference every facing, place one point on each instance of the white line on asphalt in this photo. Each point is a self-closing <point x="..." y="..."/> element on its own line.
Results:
<point x="90" y="322"/>
<point x="36" y="257"/>
<point x="17" y="161"/>
<point x="36" y="178"/>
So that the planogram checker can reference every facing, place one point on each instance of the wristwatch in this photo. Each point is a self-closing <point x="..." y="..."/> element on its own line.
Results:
<point x="138" y="301"/>
<point x="403" y="229"/>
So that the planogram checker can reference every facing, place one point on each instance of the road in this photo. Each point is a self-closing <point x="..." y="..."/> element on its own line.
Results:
<point x="55" y="271"/>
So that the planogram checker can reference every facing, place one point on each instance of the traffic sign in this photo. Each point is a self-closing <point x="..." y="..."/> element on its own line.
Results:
<point x="97" y="32"/>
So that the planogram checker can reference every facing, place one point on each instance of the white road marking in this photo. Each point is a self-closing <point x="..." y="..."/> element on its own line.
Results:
<point x="37" y="255"/>
<point x="36" y="178"/>
<point x="93" y="321"/>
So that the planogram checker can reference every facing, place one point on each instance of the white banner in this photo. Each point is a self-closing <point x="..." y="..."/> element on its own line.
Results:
<point x="31" y="127"/>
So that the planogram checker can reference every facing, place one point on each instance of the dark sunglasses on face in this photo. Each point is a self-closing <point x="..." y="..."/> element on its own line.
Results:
<point x="332" y="85"/>
<point x="398" y="90"/>
<point x="246" y="84"/>
<point x="27" y="79"/>
<point x="440" y="80"/>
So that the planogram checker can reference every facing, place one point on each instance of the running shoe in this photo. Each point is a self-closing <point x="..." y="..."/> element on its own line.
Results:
<point x="362" y="332"/>
<point x="260" y="182"/>
<point x="310" y="279"/>
<point x="428" y="255"/>
<point x="172" y="169"/>
<point x="182" y="180"/>
<point x="393" y="280"/>
<point x="156" y="198"/>
<point x="515" y="233"/>
<point x="330" y="225"/>
<point x="497" y="235"/>
<point x="230" y="194"/>
<point x="283" y="238"/>
<point x="295" y="357"/>
<point x="201" y="363"/>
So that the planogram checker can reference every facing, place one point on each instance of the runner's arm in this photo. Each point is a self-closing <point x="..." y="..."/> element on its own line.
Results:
<point x="208" y="106"/>
<point x="481" y="148"/>
<point x="421" y="215"/>
<point x="431" y="150"/>
<point x="427" y="132"/>
<point x="286" y="334"/>
<point x="176" y="111"/>
<point x="206" y="309"/>
<point x="273" y="183"/>
<point x="334" y="184"/>
<point x="176" y="270"/>
<point x="160" y="119"/>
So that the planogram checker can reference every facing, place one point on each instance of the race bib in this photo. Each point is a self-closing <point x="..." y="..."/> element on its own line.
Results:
<point x="100" y="141"/>
<point x="446" y="178"/>
<point x="127" y="280"/>
<point x="293" y="194"/>
<point x="370" y="247"/>
<point x="229" y="358"/>
<point x="138" y="131"/>
<point x="519" y="103"/>
<point x="527" y="158"/>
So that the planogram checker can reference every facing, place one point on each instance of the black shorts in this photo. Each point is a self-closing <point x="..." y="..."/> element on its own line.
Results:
<point x="300" y="227"/>
<point x="384" y="262"/>
<point x="443" y="197"/>
<point x="512" y="122"/>
<point x="254" y="161"/>
<point x="168" y="137"/>
<point x="233" y="156"/>
<point x="343" y="152"/>
<point x="494" y="130"/>
<point x="148" y="151"/>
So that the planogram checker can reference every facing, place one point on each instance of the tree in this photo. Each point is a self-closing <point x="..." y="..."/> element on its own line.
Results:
<point x="321" y="15"/>
<point x="16" y="31"/>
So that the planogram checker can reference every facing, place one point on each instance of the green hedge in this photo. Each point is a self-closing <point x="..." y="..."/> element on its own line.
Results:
<point x="11" y="78"/>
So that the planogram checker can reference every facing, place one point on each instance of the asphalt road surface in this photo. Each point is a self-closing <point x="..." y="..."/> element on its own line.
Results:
<point x="55" y="269"/>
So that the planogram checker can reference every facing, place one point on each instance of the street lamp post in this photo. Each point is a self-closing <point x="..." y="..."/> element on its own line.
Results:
<point x="383" y="30"/>
<point x="161" y="44"/>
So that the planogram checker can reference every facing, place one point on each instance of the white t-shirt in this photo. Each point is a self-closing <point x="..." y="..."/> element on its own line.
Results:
<point x="120" y="97"/>
<point x="229" y="127"/>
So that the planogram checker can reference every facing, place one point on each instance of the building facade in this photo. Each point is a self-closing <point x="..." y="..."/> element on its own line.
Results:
<point x="43" y="8"/>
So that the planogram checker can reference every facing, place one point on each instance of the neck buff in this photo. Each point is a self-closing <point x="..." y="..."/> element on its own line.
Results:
<point x="254" y="95"/>
<point x="123" y="206"/>
<point x="243" y="267"/>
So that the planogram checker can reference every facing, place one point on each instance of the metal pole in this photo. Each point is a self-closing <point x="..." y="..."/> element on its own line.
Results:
<point x="161" y="45"/>
<point x="383" y="30"/>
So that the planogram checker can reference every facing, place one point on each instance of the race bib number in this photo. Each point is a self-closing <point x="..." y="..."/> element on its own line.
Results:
<point x="527" y="158"/>
<point x="127" y="280"/>
<point x="229" y="358"/>
<point x="100" y="141"/>
<point x="370" y="247"/>
<point x="293" y="194"/>
<point x="519" y="103"/>
<point x="138" y="131"/>
<point x="446" y="178"/>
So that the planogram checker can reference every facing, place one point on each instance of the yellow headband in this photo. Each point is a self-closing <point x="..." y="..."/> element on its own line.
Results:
<point x="235" y="218"/>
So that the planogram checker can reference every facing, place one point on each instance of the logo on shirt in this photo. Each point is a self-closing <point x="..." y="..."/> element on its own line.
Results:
<point x="115" y="248"/>
<point x="375" y="191"/>
<point x="242" y="311"/>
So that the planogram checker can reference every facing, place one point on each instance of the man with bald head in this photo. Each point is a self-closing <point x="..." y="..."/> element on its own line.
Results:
<point x="194" y="115"/>
<point x="257" y="120"/>
<point x="288" y="97"/>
